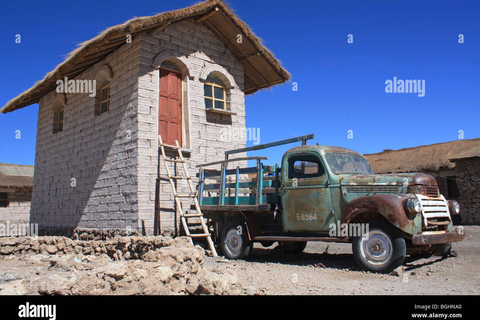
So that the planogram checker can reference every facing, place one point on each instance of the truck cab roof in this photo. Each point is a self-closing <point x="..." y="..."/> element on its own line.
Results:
<point x="322" y="149"/>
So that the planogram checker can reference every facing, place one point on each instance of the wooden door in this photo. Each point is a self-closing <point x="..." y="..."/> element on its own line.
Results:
<point x="170" y="108"/>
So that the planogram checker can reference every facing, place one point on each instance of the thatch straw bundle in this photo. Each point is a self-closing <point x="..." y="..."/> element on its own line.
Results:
<point x="261" y="68"/>
<point x="424" y="158"/>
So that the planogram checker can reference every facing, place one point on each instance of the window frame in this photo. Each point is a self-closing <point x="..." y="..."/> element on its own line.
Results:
<point x="107" y="100"/>
<point x="212" y="98"/>
<point x="291" y="174"/>
<point x="5" y="200"/>
<point x="61" y="120"/>
<point x="58" y="123"/>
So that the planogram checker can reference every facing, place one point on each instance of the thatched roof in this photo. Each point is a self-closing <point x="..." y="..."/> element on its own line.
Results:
<point x="15" y="175"/>
<point x="424" y="158"/>
<point x="261" y="68"/>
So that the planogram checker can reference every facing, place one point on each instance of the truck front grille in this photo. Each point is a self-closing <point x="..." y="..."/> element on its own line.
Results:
<point x="434" y="210"/>
<point x="432" y="192"/>
<point x="374" y="189"/>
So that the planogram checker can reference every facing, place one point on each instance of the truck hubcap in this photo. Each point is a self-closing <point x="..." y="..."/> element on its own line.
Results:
<point x="233" y="241"/>
<point x="376" y="247"/>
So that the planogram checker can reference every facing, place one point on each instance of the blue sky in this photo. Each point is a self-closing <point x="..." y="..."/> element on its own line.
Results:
<point x="341" y="85"/>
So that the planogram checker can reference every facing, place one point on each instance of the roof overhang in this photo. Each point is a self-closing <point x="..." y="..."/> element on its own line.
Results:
<point x="261" y="68"/>
<point x="16" y="176"/>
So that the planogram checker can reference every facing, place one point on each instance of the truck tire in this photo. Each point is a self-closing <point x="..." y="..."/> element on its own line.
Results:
<point x="381" y="250"/>
<point x="234" y="241"/>
<point x="294" y="247"/>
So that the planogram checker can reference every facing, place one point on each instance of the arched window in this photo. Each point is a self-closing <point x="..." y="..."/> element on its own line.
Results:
<point x="104" y="102"/>
<point x="215" y="93"/>
<point x="58" y="115"/>
<point x="219" y="86"/>
<point x="102" y="98"/>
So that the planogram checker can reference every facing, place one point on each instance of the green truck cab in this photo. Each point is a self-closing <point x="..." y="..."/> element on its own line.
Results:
<point x="322" y="193"/>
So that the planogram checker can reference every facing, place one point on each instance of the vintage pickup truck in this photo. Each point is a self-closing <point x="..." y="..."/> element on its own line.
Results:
<point x="322" y="193"/>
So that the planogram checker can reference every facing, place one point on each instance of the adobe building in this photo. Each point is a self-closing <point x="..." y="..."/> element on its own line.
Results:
<point x="16" y="184"/>
<point x="181" y="74"/>
<point x="455" y="165"/>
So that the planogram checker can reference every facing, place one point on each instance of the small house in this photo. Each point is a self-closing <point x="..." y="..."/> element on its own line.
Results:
<point x="16" y="184"/>
<point x="181" y="74"/>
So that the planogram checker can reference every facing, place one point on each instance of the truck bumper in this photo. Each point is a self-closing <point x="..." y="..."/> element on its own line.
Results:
<point x="438" y="238"/>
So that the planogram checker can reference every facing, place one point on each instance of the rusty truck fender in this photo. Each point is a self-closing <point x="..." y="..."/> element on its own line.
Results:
<point x="388" y="206"/>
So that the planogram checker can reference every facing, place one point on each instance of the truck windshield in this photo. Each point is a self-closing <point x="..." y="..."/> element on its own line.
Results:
<point x="348" y="163"/>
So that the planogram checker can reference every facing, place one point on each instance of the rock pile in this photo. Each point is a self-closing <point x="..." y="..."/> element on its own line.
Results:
<point x="120" y="248"/>
<point x="126" y="266"/>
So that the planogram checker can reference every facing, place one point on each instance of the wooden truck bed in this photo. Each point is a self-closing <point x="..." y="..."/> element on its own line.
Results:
<point x="239" y="189"/>
<point x="242" y="189"/>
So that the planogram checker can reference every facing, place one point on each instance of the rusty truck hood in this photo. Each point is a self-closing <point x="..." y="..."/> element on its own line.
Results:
<point x="388" y="179"/>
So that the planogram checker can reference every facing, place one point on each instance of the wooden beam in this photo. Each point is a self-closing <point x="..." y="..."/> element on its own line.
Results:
<point x="83" y="66"/>
<point x="160" y="27"/>
<point x="207" y="15"/>
<point x="249" y="57"/>
<point x="104" y="49"/>
<point x="236" y="51"/>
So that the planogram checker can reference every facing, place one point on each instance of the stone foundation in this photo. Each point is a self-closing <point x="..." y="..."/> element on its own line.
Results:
<point x="468" y="182"/>
<point x="121" y="248"/>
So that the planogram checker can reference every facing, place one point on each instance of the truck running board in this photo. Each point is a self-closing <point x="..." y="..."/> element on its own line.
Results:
<point x="299" y="239"/>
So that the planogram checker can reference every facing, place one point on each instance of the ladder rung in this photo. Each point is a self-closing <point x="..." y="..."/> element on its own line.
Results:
<point x="199" y="235"/>
<point x="170" y="147"/>
<point x="192" y="195"/>
<point x="175" y="160"/>
<point x="185" y="195"/>
<point x="192" y="215"/>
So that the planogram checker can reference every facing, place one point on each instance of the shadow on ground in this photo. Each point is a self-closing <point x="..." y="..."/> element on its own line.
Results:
<point x="339" y="261"/>
<point x="342" y="261"/>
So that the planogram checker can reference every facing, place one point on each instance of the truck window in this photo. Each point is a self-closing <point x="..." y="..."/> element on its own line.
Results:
<point x="306" y="166"/>
<point x="348" y="163"/>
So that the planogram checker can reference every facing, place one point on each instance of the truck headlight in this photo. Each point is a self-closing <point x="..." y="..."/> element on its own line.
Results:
<point x="413" y="205"/>
<point x="454" y="207"/>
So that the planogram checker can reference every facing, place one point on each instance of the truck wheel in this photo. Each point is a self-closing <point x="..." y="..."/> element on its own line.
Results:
<point x="234" y="241"/>
<point x="382" y="249"/>
<point x="294" y="247"/>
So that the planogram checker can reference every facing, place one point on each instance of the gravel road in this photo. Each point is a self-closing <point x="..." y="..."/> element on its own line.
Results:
<point x="329" y="269"/>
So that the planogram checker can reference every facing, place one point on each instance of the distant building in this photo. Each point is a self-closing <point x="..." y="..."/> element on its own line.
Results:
<point x="16" y="183"/>
<point x="455" y="165"/>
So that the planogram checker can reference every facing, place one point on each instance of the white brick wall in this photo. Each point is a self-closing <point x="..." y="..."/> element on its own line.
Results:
<point x="115" y="176"/>
<point x="18" y="210"/>
<point x="92" y="149"/>
<point x="200" y="48"/>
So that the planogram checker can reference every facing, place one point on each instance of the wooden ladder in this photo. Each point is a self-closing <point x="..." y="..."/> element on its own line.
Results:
<point x="193" y="195"/>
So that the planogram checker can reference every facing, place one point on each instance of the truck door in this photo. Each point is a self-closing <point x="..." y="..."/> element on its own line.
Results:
<point x="306" y="197"/>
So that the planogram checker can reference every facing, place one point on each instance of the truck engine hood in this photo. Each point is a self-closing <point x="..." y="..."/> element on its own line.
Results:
<point x="405" y="179"/>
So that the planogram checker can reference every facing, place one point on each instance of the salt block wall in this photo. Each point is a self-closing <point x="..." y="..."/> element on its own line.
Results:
<point x="86" y="175"/>
<point x="197" y="51"/>
<point x="100" y="171"/>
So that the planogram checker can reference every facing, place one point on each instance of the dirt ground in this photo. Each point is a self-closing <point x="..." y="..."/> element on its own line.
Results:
<point x="176" y="267"/>
<point x="330" y="269"/>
